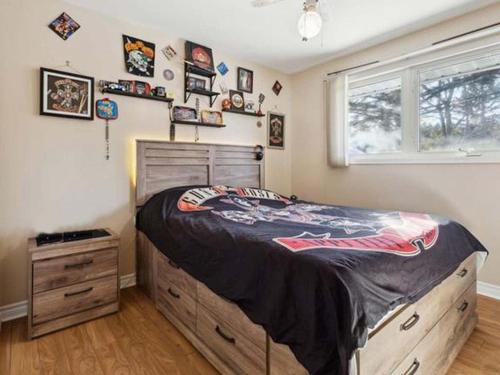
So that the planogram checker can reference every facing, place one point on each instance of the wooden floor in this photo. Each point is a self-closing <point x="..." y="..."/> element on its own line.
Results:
<point x="139" y="340"/>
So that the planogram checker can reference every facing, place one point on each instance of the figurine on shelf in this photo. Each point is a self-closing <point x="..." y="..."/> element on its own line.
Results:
<point x="111" y="86"/>
<point x="226" y="104"/>
<point x="261" y="100"/>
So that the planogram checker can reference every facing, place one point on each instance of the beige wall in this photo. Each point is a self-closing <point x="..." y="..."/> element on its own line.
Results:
<point x="53" y="175"/>
<point x="469" y="194"/>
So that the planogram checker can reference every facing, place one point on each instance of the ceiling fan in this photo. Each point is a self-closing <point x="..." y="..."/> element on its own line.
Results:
<point x="311" y="20"/>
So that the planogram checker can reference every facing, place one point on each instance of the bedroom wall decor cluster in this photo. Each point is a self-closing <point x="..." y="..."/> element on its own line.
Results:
<point x="81" y="188"/>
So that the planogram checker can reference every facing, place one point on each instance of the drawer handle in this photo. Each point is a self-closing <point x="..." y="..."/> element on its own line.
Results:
<point x="172" y="264"/>
<point x="413" y="368"/>
<point x="463" y="273"/>
<point x="224" y="336"/>
<point x="410" y="322"/>
<point x="79" y="265"/>
<point x="79" y="292"/>
<point x="463" y="306"/>
<point x="173" y="294"/>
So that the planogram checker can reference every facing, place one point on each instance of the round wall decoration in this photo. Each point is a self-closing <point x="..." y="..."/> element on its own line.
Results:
<point x="168" y="74"/>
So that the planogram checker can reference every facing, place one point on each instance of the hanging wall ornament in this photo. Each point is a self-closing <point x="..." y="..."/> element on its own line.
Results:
<point x="107" y="110"/>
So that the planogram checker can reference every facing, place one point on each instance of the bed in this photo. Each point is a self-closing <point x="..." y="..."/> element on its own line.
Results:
<point x="419" y="335"/>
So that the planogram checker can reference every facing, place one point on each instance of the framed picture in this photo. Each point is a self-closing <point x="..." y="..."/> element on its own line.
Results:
<point x="184" y="113"/>
<point x="64" y="26"/>
<point x="65" y="94"/>
<point x="139" y="56"/>
<point x="275" y="130"/>
<point x="245" y="80"/>
<point x="277" y="88"/>
<point x="196" y="83"/>
<point x="211" y="117"/>
<point x="237" y="100"/>
<point x="200" y="56"/>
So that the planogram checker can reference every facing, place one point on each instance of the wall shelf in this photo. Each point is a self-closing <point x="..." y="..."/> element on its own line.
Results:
<point x="197" y="123"/>
<point x="189" y="70"/>
<point x="122" y="93"/>
<point x="254" y="114"/>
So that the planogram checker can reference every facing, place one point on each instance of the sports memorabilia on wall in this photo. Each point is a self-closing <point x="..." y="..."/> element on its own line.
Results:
<point x="211" y="117"/>
<point x="169" y="52"/>
<point x="108" y="110"/>
<point x="237" y="101"/>
<point x="277" y="88"/>
<point x="199" y="56"/>
<point x="222" y="68"/>
<point x="65" y="94"/>
<point x="245" y="80"/>
<point x="64" y="26"/>
<point x="276" y="130"/>
<point x="139" y="56"/>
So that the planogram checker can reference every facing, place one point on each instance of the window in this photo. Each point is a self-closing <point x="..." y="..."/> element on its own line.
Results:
<point x="460" y="110"/>
<point x="375" y="118"/>
<point x="447" y="110"/>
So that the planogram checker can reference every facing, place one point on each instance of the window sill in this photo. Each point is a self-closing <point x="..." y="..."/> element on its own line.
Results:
<point x="426" y="159"/>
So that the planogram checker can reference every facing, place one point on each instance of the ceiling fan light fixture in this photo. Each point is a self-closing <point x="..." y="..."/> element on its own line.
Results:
<point x="309" y="24"/>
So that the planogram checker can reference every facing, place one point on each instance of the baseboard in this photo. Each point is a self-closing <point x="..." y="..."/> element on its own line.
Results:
<point x="20" y="309"/>
<point x="488" y="290"/>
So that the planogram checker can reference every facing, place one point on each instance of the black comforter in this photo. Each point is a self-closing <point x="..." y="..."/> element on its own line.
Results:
<point x="316" y="277"/>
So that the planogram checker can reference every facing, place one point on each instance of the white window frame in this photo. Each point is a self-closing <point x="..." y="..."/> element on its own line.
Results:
<point x="410" y="111"/>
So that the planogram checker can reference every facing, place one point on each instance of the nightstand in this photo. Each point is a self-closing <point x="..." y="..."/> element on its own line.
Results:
<point x="71" y="282"/>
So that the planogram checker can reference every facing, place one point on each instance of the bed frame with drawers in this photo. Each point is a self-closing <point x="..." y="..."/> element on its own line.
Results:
<point x="422" y="338"/>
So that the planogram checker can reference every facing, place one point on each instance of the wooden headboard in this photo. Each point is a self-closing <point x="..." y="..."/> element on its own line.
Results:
<point x="161" y="165"/>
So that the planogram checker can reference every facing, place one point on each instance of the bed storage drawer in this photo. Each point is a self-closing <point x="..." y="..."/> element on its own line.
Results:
<point x="410" y="326"/>
<point x="229" y="344"/>
<point x="72" y="299"/>
<point x="171" y="273"/>
<point x="232" y="316"/>
<point x="67" y="270"/>
<point x="176" y="301"/>
<point x="434" y="354"/>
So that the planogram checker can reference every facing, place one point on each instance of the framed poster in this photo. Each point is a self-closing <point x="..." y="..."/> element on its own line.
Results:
<point x="139" y="56"/>
<point x="275" y="130"/>
<point x="65" y="94"/>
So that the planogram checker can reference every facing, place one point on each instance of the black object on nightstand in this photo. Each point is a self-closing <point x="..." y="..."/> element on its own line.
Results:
<point x="50" y="238"/>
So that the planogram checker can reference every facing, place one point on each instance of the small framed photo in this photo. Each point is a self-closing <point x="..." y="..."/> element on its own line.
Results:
<point x="65" y="94"/>
<point x="64" y="26"/>
<point x="277" y="88"/>
<point x="196" y="83"/>
<point x="245" y="80"/>
<point x="276" y="130"/>
<point x="237" y="100"/>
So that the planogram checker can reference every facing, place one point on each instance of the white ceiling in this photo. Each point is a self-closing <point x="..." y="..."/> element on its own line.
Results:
<point x="269" y="35"/>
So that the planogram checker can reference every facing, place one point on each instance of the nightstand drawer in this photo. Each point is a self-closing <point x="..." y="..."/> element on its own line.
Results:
<point x="68" y="270"/>
<point x="60" y="302"/>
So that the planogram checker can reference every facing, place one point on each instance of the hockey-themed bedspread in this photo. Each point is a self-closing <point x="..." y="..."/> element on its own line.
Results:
<point x="315" y="276"/>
